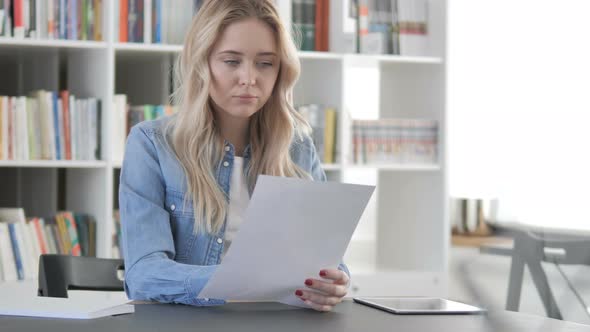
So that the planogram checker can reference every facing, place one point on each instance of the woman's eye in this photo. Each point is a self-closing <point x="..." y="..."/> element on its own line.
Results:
<point x="265" y="64"/>
<point x="232" y="62"/>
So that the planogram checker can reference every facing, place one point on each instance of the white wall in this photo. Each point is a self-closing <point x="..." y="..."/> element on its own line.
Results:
<point x="518" y="79"/>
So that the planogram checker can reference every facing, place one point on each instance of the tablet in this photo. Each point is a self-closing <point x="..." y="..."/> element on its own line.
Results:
<point x="418" y="305"/>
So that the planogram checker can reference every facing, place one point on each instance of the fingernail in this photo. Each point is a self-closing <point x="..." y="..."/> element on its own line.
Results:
<point x="308" y="282"/>
<point x="298" y="293"/>
<point x="323" y="273"/>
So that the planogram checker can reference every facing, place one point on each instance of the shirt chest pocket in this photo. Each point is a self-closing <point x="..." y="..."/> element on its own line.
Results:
<point x="182" y="222"/>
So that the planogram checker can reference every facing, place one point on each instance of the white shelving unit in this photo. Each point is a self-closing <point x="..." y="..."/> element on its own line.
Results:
<point x="401" y="244"/>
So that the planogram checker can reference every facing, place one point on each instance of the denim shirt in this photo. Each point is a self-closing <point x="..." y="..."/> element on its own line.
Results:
<point x="165" y="260"/>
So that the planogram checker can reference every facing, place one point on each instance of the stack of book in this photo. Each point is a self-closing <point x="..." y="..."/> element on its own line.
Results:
<point x="311" y="21"/>
<point x="323" y="123"/>
<point x="22" y="240"/>
<point x="394" y="141"/>
<point x="50" y="126"/>
<point x="154" y="21"/>
<point x="392" y="27"/>
<point x="53" y="19"/>
<point x="127" y="116"/>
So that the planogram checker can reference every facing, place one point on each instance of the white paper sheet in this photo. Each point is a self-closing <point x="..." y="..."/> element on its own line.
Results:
<point x="291" y="230"/>
<point x="76" y="308"/>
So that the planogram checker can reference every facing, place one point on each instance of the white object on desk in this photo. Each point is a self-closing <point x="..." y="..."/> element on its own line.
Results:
<point x="63" y="308"/>
<point x="20" y="299"/>
<point x="291" y="229"/>
<point x="419" y="305"/>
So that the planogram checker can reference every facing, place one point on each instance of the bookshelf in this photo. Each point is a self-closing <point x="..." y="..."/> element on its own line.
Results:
<point x="401" y="244"/>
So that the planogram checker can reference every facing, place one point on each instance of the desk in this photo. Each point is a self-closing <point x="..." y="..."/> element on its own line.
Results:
<point x="244" y="317"/>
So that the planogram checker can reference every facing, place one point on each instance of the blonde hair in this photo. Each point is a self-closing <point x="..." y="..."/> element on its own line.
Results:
<point x="195" y="138"/>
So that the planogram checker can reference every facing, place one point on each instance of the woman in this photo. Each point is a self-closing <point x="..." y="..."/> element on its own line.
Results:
<point x="186" y="179"/>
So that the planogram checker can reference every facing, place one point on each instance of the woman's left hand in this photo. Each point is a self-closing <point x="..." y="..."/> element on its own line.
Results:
<point x="324" y="294"/>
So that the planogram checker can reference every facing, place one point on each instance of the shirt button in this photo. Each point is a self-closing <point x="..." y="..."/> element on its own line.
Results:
<point x="219" y="240"/>
<point x="227" y="148"/>
<point x="225" y="163"/>
<point x="172" y="207"/>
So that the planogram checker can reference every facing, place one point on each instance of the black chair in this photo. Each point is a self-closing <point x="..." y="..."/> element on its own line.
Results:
<point x="60" y="273"/>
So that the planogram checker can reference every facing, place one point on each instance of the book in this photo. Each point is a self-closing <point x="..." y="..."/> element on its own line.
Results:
<point x="18" y="19"/>
<point x="91" y="236"/>
<point x="8" y="264"/>
<point x="3" y="127"/>
<point x="322" y="18"/>
<point x="147" y="21"/>
<point x="2" y="15"/>
<point x="63" y="234"/>
<point x="70" y="226"/>
<point x="82" y="226"/>
<point x="16" y="251"/>
<point x="330" y="136"/>
<point x="14" y="217"/>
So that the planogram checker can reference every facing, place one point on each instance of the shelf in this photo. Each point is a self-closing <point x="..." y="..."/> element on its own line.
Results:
<point x="304" y="55"/>
<point x="396" y="167"/>
<point x="478" y="241"/>
<point x="50" y="43"/>
<point x="325" y="167"/>
<point x="319" y="55"/>
<point x="331" y="167"/>
<point x="147" y="48"/>
<point x="52" y="163"/>
<point x="391" y="59"/>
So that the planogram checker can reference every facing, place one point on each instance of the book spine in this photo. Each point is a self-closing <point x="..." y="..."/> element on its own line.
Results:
<point x="90" y="19"/>
<point x="30" y="110"/>
<point x="8" y="262"/>
<point x="73" y="127"/>
<point x="33" y="27"/>
<point x="12" y="128"/>
<point x="64" y="235"/>
<point x="18" y="18"/>
<point x="98" y="136"/>
<point x="73" y="233"/>
<point x="157" y="21"/>
<point x="140" y="23"/>
<point x="2" y="17"/>
<point x="147" y="21"/>
<point x="73" y="19"/>
<point x="40" y="236"/>
<point x="8" y="10"/>
<point x="123" y="20"/>
<point x="16" y="251"/>
<point x="98" y="13"/>
<point x="308" y="26"/>
<point x="84" y="20"/>
<point x="82" y="228"/>
<point x="56" y="125"/>
<point x="2" y="127"/>
<point x="65" y="101"/>
<point x="63" y="22"/>
<point x="35" y="249"/>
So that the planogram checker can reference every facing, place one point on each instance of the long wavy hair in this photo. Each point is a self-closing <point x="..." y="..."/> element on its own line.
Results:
<point x="195" y="138"/>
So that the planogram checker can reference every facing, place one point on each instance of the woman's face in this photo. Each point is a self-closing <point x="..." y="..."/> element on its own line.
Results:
<point x="244" y="65"/>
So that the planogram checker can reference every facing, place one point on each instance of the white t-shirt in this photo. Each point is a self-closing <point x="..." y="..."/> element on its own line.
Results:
<point x="238" y="202"/>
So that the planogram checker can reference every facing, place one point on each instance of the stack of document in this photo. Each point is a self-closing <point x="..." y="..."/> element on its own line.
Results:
<point x="77" y="307"/>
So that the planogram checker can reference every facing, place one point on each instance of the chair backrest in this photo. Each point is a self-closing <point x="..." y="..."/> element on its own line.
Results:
<point x="530" y="249"/>
<point x="59" y="273"/>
